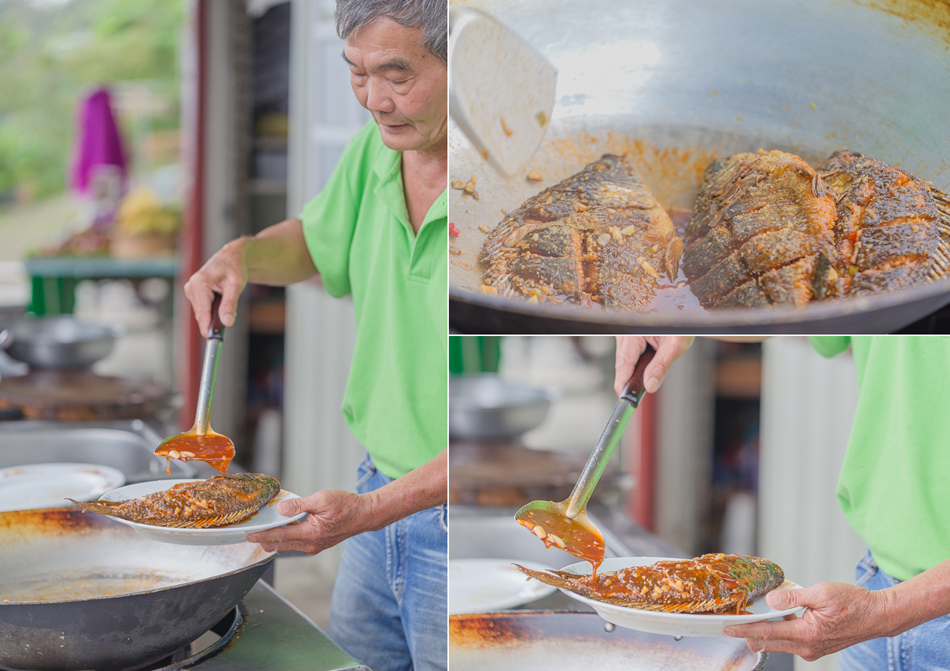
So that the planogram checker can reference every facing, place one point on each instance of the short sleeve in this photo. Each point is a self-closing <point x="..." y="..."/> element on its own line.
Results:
<point x="329" y="219"/>
<point x="829" y="346"/>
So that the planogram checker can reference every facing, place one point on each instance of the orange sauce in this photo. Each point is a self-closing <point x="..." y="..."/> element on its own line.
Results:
<point x="212" y="448"/>
<point x="568" y="535"/>
<point x="697" y="579"/>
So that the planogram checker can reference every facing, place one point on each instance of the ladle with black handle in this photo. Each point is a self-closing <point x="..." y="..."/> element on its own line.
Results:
<point x="565" y="524"/>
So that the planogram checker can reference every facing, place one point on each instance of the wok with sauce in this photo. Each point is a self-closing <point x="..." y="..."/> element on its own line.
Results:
<point x="679" y="84"/>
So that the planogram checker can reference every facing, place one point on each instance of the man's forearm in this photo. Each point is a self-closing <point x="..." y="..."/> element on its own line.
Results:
<point x="420" y="488"/>
<point x="918" y="600"/>
<point x="278" y="255"/>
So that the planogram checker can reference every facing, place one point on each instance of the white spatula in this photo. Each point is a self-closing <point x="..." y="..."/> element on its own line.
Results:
<point x="501" y="90"/>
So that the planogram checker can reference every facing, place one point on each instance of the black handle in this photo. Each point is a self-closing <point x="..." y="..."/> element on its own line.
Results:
<point x="217" y="327"/>
<point x="633" y="392"/>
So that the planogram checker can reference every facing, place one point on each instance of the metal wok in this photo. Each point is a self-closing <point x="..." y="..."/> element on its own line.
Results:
<point x="675" y="84"/>
<point x="545" y="640"/>
<point x="80" y="591"/>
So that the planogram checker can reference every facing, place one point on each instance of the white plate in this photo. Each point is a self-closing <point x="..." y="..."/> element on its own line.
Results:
<point x="265" y="518"/>
<point x="674" y="624"/>
<point x="48" y="485"/>
<point x="481" y="585"/>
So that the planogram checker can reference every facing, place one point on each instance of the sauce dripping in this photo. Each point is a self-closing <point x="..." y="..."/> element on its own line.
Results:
<point x="212" y="448"/>
<point x="568" y="535"/>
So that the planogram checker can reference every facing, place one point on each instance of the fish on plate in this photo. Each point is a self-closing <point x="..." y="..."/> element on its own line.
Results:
<point x="712" y="583"/>
<point x="223" y="499"/>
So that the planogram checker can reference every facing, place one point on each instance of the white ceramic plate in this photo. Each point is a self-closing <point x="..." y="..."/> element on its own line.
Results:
<point x="482" y="585"/>
<point x="674" y="624"/>
<point x="265" y="518"/>
<point x="48" y="485"/>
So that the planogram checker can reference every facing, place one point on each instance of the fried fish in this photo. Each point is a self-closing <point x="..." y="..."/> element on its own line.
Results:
<point x="217" y="501"/>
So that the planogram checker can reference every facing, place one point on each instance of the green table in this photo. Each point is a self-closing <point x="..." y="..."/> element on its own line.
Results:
<point x="54" y="280"/>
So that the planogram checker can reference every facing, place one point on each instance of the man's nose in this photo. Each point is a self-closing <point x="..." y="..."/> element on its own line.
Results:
<point x="379" y="98"/>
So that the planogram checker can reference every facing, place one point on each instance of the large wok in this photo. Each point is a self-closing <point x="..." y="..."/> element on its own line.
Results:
<point x="80" y="591"/>
<point x="679" y="82"/>
<point x="544" y="640"/>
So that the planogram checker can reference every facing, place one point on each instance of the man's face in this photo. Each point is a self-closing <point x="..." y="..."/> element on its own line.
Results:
<point x="401" y="83"/>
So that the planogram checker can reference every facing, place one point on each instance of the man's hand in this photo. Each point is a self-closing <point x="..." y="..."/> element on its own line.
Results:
<point x="336" y="515"/>
<point x="333" y="517"/>
<point x="838" y="615"/>
<point x="629" y="348"/>
<point x="224" y="273"/>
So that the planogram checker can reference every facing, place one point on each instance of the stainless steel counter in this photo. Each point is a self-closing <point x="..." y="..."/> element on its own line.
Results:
<point x="127" y="445"/>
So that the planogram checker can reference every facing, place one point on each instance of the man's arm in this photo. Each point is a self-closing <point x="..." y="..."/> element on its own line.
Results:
<point x="839" y="615"/>
<point x="336" y="515"/>
<point x="276" y="256"/>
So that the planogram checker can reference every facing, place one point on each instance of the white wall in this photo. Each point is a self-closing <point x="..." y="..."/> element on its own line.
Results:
<point x="807" y="407"/>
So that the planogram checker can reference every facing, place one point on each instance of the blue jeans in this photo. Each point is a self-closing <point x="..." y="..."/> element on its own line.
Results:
<point x="390" y="607"/>
<point x="923" y="648"/>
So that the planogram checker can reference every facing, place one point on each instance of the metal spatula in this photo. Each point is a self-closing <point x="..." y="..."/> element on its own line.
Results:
<point x="501" y="90"/>
<point x="200" y="442"/>
<point x="565" y="525"/>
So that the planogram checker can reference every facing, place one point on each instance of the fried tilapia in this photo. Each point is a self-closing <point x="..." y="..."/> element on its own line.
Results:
<point x="762" y="232"/>
<point x="597" y="238"/>
<point x="892" y="229"/>
<point x="713" y="583"/>
<point x="217" y="501"/>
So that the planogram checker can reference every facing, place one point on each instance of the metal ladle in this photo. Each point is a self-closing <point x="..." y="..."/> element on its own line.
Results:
<point x="565" y="524"/>
<point x="200" y="442"/>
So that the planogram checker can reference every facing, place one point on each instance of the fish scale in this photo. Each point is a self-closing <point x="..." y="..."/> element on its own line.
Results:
<point x="217" y="501"/>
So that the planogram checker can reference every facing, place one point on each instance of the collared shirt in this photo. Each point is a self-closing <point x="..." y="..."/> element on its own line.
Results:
<point x="894" y="485"/>
<point x="359" y="236"/>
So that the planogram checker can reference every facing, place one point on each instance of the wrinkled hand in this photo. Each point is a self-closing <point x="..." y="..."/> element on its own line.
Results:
<point x="334" y="516"/>
<point x="224" y="273"/>
<point x="629" y="348"/>
<point x="838" y="615"/>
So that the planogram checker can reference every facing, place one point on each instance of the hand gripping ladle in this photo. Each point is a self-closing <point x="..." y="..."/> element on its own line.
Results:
<point x="201" y="442"/>
<point x="565" y="524"/>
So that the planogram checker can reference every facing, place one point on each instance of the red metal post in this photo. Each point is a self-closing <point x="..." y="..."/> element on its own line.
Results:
<point x="191" y="239"/>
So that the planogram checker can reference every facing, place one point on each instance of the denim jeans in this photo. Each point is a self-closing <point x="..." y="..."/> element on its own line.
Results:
<point x="390" y="607"/>
<point x="923" y="648"/>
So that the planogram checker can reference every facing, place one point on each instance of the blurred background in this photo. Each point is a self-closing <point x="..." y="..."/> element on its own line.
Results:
<point x="136" y="138"/>
<point x="739" y="451"/>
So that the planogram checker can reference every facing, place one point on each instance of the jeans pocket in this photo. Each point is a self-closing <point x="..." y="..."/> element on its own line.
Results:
<point x="444" y="517"/>
<point x="365" y="472"/>
<point x="865" y="570"/>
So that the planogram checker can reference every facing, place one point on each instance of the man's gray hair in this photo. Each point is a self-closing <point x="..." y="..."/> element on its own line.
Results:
<point x="430" y="15"/>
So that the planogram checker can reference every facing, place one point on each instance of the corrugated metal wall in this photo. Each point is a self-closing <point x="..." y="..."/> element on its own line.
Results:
<point x="807" y="407"/>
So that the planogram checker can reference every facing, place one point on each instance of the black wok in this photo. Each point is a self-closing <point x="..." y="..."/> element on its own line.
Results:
<point x="675" y="84"/>
<point x="81" y="591"/>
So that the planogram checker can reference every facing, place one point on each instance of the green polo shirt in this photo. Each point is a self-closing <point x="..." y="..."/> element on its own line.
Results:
<point x="358" y="233"/>
<point x="894" y="485"/>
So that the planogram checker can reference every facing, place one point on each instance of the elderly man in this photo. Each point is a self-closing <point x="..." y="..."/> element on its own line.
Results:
<point x="893" y="490"/>
<point x="377" y="233"/>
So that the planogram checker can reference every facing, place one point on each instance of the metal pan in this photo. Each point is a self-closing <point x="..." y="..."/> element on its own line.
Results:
<point x="80" y="591"/>
<point x="677" y="83"/>
<point x="544" y="640"/>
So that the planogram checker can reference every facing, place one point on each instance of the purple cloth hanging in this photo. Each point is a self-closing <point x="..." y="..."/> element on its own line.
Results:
<point x="97" y="141"/>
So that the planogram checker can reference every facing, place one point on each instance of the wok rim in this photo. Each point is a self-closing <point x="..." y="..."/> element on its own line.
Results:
<point x="156" y="590"/>
<point x="858" y="307"/>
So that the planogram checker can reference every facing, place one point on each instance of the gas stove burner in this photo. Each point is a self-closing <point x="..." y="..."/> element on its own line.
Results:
<point x="208" y="644"/>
